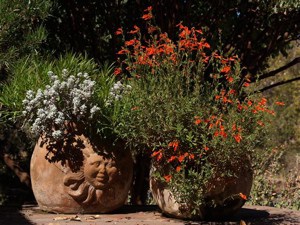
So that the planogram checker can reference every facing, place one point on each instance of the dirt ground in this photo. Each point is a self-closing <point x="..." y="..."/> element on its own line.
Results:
<point x="142" y="215"/>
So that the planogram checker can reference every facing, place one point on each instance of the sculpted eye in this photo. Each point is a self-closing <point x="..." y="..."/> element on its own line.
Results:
<point x="97" y="163"/>
<point x="110" y="164"/>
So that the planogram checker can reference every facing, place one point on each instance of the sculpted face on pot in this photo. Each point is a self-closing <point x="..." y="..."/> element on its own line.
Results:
<point x="100" y="171"/>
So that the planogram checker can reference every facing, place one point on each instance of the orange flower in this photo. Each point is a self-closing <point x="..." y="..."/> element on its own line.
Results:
<point x="151" y="51"/>
<point x="240" y="106"/>
<point x="172" y="158"/>
<point x="174" y="144"/>
<point x="151" y="29"/>
<point x="182" y="157"/>
<point x="131" y="42"/>
<point x="216" y="134"/>
<point x="157" y="154"/>
<point x="117" y="71"/>
<point x="168" y="178"/>
<point x="260" y="123"/>
<point x="147" y="16"/>
<point x="229" y="79"/>
<point x="238" y="138"/>
<point x="263" y="101"/>
<point x="206" y="45"/>
<point x="136" y="30"/>
<point x="279" y="103"/>
<point x="244" y="197"/>
<point x="191" y="156"/>
<point x="234" y="127"/>
<point x="232" y="91"/>
<point x="148" y="9"/>
<point x="197" y="120"/>
<point x="119" y="31"/>
<point x="199" y="31"/>
<point x="225" y="69"/>
<point x="206" y="148"/>
<point x="249" y="103"/>
<point x="123" y="51"/>
<point x="246" y="84"/>
<point x="178" y="168"/>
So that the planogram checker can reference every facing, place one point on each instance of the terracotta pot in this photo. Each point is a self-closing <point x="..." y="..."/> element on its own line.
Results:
<point x="224" y="191"/>
<point x="80" y="176"/>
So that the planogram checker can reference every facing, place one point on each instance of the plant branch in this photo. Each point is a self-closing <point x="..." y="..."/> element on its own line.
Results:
<point x="277" y="84"/>
<point x="274" y="72"/>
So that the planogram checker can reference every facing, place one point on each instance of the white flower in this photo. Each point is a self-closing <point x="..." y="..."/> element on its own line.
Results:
<point x="65" y="73"/>
<point x="30" y="94"/>
<point x="93" y="110"/>
<point x="57" y="134"/>
<point x="65" y="98"/>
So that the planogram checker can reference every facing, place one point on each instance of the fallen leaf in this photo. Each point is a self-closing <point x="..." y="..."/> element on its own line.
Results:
<point x="76" y="218"/>
<point x="242" y="222"/>
<point x="94" y="217"/>
<point x="61" y="218"/>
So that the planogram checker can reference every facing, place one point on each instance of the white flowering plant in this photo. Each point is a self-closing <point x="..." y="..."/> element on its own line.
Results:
<point x="70" y="99"/>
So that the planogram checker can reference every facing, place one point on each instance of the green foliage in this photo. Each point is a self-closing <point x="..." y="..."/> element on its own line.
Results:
<point x="276" y="180"/>
<point x="275" y="185"/>
<point x="196" y="129"/>
<point x="21" y="29"/>
<point x="30" y="73"/>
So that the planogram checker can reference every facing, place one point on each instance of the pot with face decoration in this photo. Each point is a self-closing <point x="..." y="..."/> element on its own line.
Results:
<point x="80" y="175"/>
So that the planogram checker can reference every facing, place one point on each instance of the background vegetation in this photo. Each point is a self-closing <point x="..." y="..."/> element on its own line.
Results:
<point x="264" y="33"/>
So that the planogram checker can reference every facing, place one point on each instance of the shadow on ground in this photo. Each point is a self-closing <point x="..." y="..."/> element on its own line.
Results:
<point x="250" y="216"/>
<point x="13" y="215"/>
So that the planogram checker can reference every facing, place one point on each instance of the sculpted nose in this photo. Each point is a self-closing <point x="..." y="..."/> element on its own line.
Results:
<point x="102" y="168"/>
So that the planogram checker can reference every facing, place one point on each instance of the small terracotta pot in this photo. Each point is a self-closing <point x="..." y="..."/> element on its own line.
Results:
<point x="80" y="176"/>
<point x="224" y="191"/>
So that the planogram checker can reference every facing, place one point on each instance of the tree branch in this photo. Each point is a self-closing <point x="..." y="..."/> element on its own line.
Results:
<point x="274" y="72"/>
<point x="277" y="84"/>
<point x="23" y="176"/>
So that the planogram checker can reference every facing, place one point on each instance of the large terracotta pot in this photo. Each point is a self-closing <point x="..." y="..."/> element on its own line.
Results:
<point x="226" y="192"/>
<point x="80" y="176"/>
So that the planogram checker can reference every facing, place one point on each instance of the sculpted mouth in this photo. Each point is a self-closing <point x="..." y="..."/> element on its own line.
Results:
<point x="101" y="178"/>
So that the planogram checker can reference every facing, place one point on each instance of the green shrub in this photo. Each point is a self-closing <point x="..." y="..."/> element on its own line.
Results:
<point x="189" y="108"/>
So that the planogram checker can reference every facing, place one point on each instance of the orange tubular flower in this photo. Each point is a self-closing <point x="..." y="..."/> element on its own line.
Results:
<point x="149" y="9"/>
<point x="168" y="178"/>
<point x="238" y="138"/>
<point x="263" y="101"/>
<point x="191" y="156"/>
<point x="147" y="16"/>
<point x="136" y="30"/>
<point x="123" y="51"/>
<point x="178" y="168"/>
<point x="172" y="158"/>
<point x="197" y="120"/>
<point x="232" y="91"/>
<point x="206" y="148"/>
<point x="151" y="51"/>
<point x="117" y="71"/>
<point x="279" y="103"/>
<point x="225" y="69"/>
<point x="174" y="144"/>
<point x="151" y="29"/>
<point x="260" y="123"/>
<point x="244" y="197"/>
<point x="181" y="158"/>
<point x="246" y="84"/>
<point x="119" y="31"/>
<point x="229" y="79"/>
<point x="157" y="154"/>
<point x="131" y="42"/>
